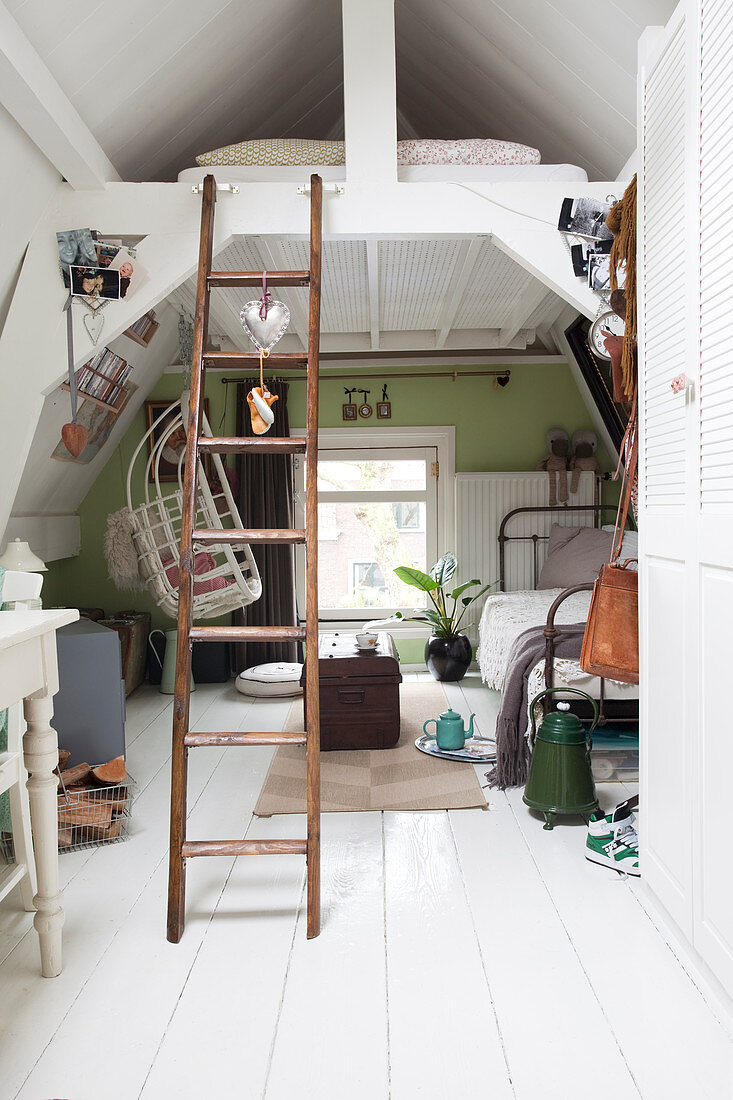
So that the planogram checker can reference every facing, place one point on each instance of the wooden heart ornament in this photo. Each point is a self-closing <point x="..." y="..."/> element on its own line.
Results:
<point x="264" y="332"/>
<point x="74" y="438"/>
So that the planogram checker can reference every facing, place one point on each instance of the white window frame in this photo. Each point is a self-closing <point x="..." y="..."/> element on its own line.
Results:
<point x="363" y="439"/>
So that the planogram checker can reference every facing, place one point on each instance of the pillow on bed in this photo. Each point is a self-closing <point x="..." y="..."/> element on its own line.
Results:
<point x="629" y="544"/>
<point x="574" y="556"/>
<point x="277" y="151"/>
<point x="465" y="151"/>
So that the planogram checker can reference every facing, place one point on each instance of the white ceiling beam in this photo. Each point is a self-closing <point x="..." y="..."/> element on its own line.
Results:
<point x="271" y="252"/>
<point x="532" y="296"/>
<point x="370" y="91"/>
<point x="372" y="251"/>
<point x="30" y="94"/>
<point x="467" y="257"/>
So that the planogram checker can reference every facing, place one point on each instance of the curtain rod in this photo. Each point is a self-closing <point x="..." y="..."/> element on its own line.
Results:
<point x="454" y="374"/>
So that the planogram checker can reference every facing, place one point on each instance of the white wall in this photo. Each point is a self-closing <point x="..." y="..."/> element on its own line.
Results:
<point x="26" y="184"/>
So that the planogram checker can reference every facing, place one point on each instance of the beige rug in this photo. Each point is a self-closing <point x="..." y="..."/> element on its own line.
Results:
<point x="401" y="778"/>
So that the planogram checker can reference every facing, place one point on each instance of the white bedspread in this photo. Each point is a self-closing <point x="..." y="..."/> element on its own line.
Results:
<point x="507" y="614"/>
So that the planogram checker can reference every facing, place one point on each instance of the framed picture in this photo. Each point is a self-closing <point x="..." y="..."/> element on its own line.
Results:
<point x="348" y="412"/>
<point x="176" y="444"/>
<point x="100" y="282"/>
<point x="384" y="410"/>
<point x="597" y="374"/>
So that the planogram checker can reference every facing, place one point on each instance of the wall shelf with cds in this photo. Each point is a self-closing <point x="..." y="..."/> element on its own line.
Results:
<point x="103" y="380"/>
<point x="144" y="329"/>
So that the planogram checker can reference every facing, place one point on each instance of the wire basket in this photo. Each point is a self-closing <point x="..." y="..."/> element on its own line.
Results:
<point x="90" y="816"/>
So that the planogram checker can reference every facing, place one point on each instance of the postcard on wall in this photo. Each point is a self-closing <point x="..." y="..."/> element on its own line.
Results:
<point x="76" y="246"/>
<point x="132" y="272"/>
<point x="585" y="218"/>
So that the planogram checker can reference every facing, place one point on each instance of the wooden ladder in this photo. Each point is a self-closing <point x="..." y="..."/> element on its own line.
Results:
<point x="184" y="739"/>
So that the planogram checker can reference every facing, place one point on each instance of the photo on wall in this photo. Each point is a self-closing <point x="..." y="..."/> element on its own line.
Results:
<point x="175" y="446"/>
<point x="95" y="282"/>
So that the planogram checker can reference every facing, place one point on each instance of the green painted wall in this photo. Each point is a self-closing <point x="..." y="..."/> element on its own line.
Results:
<point x="496" y="429"/>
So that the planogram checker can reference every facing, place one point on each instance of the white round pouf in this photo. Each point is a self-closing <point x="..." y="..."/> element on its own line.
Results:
<point x="270" y="681"/>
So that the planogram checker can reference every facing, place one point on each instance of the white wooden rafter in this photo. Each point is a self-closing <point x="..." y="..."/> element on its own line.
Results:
<point x="32" y="96"/>
<point x="372" y="257"/>
<point x="531" y="297"/>
<point x="465" y="265"/>
<point x="370" y="91"/>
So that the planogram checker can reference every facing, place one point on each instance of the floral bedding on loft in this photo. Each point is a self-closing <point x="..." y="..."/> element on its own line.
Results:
<point x="311" y="152"/>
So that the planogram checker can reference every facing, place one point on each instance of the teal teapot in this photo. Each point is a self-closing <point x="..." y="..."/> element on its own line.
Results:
<point x="449" y="732"/>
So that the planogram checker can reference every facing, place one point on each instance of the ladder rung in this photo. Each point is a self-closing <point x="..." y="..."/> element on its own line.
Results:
<point x="243" y="848"/>
<point x="247" y="359"/>
<point x="263" y="444"/>
<point x="247" y="634"/>
<point x="233" y="535"/>
<point x="212" y="740"/>
<point x="254" y="278"/>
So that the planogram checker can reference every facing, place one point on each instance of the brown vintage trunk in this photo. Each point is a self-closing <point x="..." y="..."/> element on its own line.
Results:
<point x="359" y="693"/>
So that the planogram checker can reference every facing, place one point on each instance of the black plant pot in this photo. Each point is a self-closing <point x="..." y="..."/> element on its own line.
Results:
<point x="448" y="658"/>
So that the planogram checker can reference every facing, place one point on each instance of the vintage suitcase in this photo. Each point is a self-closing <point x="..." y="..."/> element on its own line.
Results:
<point x="133" y="628"/>
<point x="359" y="693"/>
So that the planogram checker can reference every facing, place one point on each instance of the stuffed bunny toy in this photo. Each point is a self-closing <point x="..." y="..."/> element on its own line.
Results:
<point x="585" y="444"/>
<point x="556" y="463"/>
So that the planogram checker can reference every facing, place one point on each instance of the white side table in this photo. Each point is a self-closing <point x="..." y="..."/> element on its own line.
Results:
<point x="28" y="672"/>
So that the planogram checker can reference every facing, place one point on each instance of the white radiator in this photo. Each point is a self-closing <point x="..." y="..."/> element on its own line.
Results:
<point x="482" y="501"/>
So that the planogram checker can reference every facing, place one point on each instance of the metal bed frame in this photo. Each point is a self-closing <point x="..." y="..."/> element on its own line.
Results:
<point x="610" y="710"/>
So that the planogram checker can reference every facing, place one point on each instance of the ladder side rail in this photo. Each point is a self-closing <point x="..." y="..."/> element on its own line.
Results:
<point x="313" y="749"/>
<point x="182" y="693"/>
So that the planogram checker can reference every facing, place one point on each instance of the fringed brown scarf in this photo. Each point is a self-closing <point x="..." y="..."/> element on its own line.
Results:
<point x="621" y="221"/>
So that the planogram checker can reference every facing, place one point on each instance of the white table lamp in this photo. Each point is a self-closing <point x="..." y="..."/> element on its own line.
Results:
<point x="19" y="556"/>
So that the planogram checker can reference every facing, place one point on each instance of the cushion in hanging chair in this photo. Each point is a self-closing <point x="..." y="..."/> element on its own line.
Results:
<point x="270" y="681"/>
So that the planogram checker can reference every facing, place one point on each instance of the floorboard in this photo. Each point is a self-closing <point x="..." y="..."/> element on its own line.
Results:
<point x="444" y="1037"/>
<point x="334" y="1013"/>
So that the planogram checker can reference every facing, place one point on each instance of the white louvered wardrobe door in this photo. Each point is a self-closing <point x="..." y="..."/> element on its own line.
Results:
<point x="713" y="493"/>
<point x="665" y="237"/>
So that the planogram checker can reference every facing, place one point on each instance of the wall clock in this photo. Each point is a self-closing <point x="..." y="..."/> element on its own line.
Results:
<point x="608" y="321"/>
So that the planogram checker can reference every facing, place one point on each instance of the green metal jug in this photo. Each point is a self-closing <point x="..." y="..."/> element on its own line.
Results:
<point x="168" y="664"/>
<point x="560" y="778"/>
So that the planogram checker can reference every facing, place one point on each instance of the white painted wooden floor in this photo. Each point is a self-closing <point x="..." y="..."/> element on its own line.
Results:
<point x="463" y="954"/>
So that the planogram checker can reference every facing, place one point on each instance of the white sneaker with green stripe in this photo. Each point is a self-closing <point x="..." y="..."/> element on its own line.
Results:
<point x="613" y="842"/>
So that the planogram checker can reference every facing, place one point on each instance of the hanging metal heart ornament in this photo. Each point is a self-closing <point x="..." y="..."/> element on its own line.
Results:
<point x="266" y="320"/>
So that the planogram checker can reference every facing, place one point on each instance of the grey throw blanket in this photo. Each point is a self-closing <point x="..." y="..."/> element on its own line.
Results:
<point x="512" y="749"/>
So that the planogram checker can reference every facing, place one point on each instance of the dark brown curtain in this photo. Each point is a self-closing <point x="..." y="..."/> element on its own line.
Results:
<point x="266" y="500"/>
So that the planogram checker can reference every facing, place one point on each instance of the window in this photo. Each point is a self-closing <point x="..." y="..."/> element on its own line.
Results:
<point x="377" y="509"/>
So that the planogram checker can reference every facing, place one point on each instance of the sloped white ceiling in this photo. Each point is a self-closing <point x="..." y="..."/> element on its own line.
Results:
<point x="159" y="82"/>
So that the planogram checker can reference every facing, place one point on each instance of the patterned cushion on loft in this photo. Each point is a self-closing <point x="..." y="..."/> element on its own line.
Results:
<point x="277" y="151"/>
<point x="303" y="151"/>
<point x="465" y="151"/>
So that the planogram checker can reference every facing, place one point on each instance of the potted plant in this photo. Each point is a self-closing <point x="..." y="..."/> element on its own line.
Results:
<point x="447" y="651"/>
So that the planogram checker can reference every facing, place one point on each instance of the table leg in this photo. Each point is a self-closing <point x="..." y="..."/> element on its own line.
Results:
<point x="40" y="749"/>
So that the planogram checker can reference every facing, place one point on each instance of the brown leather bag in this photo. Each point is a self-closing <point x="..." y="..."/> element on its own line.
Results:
<point x="611" y="639"/>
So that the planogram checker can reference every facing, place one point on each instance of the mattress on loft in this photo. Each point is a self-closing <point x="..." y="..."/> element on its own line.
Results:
<point x="411" y="173"/>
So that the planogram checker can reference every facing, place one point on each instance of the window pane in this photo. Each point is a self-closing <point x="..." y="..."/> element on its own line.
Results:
<point x="371" y="475"/>
<point x="359" y="546"/>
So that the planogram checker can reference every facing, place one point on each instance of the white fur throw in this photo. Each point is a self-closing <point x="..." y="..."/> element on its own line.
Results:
<point x="119" y="549"/>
